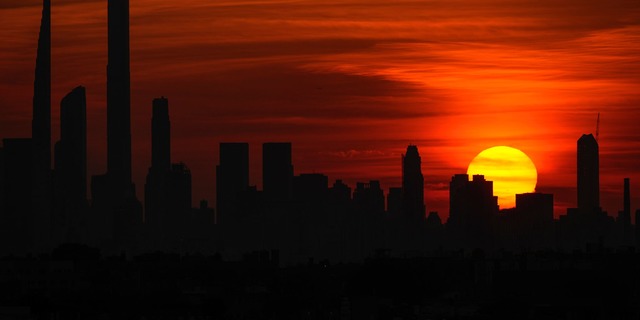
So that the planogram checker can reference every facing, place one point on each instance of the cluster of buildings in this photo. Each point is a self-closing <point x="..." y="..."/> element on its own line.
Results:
<point x="300" y="216"/>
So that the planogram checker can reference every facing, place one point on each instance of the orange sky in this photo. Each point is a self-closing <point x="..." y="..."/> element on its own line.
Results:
<point x="352" y="82"/>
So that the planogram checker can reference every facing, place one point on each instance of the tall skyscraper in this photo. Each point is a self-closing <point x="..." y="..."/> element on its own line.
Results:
<point x="588" y="174"/>
<point x="232" y="179"/>
<point x="70" y="172"/>
<point x="412" y="184"/>
<point x="157" y="184"/>
<point x="277" y="170"/>
<point x="119" y="101"/>
<point x="41" y="134"/>
<point x="71" y="151"/>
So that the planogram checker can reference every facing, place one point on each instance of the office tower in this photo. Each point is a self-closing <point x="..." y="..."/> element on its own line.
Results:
<point x="41" y="133"/>
<point x="412" y="184"/>
<point x="157" y="183"/>
<point x="71" y="159"/>
<point x="473" y="209"/>
<point x="277" y="171"/>
<point x="71" y="162"/>
<point x="588" y="174"/>
<point x="232" y="179"/>
<point x="119" y="101"/>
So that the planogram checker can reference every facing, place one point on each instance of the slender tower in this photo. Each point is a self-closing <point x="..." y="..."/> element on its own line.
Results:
<point x="588" y="174"/>
<point x="412" y="184"/>
<point x="119" y="101"/>
<point x="41" y="133"/>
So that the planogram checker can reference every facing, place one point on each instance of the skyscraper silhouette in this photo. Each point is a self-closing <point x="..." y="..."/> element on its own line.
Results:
<point x="41" y="133"/>
<point x="232" y="179"/>
<point x="156" y="187"/>
<point x="71" y="164"/>
<point x="473" y="209"/>
<point x="277" y="170"/>
<point x="119" y="101"/>
<point x="117" y="211"/>
<point x="588" y="174"/>
<point x="16" y="230"/>
<point x="71" y="159"/>
<point x="412" y="184"/>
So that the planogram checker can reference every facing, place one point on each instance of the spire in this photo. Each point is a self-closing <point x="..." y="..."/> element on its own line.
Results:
<point x="41" y="136"/>
<point x="41" y="122"/>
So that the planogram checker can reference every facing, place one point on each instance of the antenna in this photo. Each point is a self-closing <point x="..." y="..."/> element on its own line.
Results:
<point x="598" y="127"/>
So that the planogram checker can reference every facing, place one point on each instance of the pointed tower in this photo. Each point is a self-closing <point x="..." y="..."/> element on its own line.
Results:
<point x="412" y="184"/>
<point x="119" y="101"/>
<point x="41" y="134"/>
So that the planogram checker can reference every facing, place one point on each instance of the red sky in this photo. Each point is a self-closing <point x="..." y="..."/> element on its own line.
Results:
<point x="351" y="83"/>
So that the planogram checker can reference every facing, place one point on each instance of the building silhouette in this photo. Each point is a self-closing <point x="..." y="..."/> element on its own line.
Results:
<point x="473" y="210"/>
<point x="117" y="213"/>
<point x="157" y="182"/>
<point x="232" y="180"/>
<point x="588" y="174"/>
<point x="70" y="168"/>
<point x="277" y="171"/>
<point x="41" y="135"/>
<point x="412" y="184"/>
<point x="119" y="101"/>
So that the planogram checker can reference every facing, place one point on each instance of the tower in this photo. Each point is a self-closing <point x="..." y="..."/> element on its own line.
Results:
<point x="277" y="170"/>
<point x="71" y="164"/>
<point x="157" y="184"/>
<point x="232" y="179"/>
<point x="412" y="184"/>
<point x="41" y="134"/>
<point x="588" y="174"/>
<point x="119" y="101"/>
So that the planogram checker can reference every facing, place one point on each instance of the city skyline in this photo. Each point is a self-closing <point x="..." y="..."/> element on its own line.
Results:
<point x="347" y="148"/>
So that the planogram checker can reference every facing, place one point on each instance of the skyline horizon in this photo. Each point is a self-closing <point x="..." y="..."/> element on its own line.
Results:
<point x="340" y="164"/>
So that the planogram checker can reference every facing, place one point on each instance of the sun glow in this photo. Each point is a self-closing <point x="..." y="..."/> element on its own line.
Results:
<point x="510" y="169"/>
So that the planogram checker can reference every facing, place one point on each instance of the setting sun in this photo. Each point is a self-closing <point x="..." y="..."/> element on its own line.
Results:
<point x="510" y="169"/>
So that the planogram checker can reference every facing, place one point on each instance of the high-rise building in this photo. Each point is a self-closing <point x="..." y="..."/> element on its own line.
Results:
<point x="71" y="164"/>
<point x="588" y="174"/>
<point x="119" y="101"/>
<point x="412" y="184"/>
<point x="277" y="170"/>
<point x="157" y="183"/>
<point x="71" y="150"/>
<point x="473" y="209"/>
<point x="41" y="134"/>
<point x="232" y="179"/>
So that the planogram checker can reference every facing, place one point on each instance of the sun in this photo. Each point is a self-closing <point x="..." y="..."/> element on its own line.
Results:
<point x="510" y="169"/>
